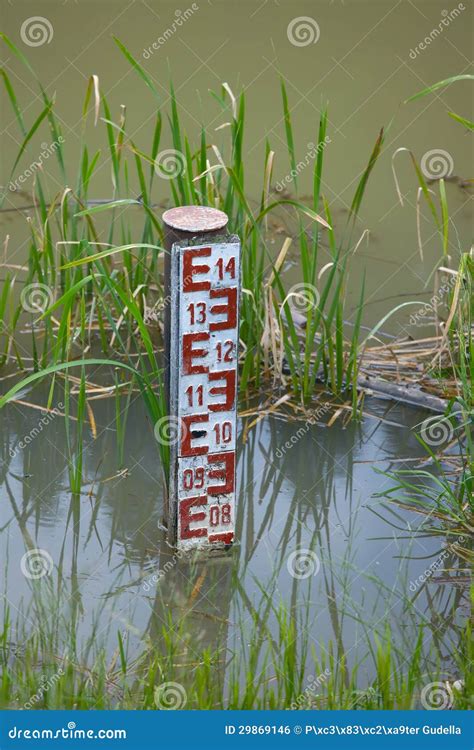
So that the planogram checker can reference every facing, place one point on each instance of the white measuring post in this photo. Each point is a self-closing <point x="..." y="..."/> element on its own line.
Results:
<point x="202" y="276"/>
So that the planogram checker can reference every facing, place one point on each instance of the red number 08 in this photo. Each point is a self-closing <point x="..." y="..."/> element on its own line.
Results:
<point x="222" y="511"/>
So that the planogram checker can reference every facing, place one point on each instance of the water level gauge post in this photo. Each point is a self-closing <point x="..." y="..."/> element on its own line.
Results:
<point x="202" y="284"/>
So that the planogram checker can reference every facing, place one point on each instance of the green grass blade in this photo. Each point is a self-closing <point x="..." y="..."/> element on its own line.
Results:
<point x="31" y="133"/>
<point x="109" y="251"/>
<point x="106" y="206"/>
<point x="467" y="123"/>
<point x="59" y="368"/>
<point x="439" y="85"/>
<point x="141" y="72"/>
<point x="359" y="193"/>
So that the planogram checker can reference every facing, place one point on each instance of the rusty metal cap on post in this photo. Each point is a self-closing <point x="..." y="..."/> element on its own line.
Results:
<point x="195" y="219"/>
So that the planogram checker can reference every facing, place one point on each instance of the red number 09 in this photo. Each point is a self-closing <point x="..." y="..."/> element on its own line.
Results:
<point x="193" y="479"/>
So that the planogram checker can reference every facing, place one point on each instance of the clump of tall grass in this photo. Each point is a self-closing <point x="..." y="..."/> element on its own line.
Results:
<point x="445" y="492"/>
<point x="104" y="280"/>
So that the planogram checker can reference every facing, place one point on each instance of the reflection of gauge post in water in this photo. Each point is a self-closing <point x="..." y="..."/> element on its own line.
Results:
<point x="202" y="275"/>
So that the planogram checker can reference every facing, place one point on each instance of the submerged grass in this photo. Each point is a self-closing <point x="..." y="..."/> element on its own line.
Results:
<point x="52" y="669"/>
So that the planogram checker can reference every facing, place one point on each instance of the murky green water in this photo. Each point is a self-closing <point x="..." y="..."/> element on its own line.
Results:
<point x="360" y="66"/>
<point x="301" y="487"/>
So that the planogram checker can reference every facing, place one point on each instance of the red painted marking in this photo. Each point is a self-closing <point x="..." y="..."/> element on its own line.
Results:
<point x="187" y="435"/>
<point x="227" y="390"/>
<point x="189" y="353"/>
<point x="230" y="308"/>
<point x="190" y="270"/>
<point x="226" y="538"/>
<point x="225" y="474"/>
<point x="230" y="267"/>
<point x="207" y="382"/>
<point x="186" y="517"/>
<point x="193" y="479"/>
